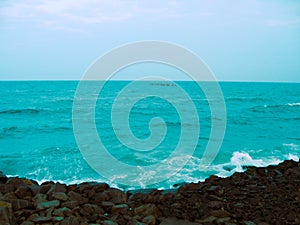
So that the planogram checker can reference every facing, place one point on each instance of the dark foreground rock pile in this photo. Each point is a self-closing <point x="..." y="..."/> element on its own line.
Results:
<point x="262" y="196"/>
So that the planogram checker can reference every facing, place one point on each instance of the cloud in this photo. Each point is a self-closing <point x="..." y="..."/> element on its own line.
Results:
<point x="71" y="14"/>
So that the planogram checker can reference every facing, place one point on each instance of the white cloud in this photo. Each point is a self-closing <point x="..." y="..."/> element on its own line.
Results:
<point x="71" y="14"/>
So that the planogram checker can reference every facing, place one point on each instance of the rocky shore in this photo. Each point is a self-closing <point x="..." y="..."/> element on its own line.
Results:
<point x="261" y="196"/>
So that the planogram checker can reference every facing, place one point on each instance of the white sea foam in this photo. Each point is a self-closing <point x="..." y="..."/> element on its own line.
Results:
<point x="294" y="104"/>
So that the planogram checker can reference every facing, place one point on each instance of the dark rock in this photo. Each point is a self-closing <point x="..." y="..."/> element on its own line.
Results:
<point x="147" y="210"/>
<point x="6" y="188"/>
<point x="74" y="196"/>
<point x="121" y="208"/>
<point x="70" y="204"/>
<point x="149" y="220"/>
<point x="18" y="204"/>
<point x="23" y="191"/>
<point x="17" y="182"/>
<point x="57" y="187"/>
<point x="215" y="204"/>
<point x="3" y="178"/>
<point x="45" y="187"/>
<point x="6" y="214"/>
<point x="27" y="223"/>
<point x="42" y="219"/>
<point x="107" y="204"/>
<point x="109" y="222"/>
<point x="117" y="196"/>
<point x="72" y="220"/>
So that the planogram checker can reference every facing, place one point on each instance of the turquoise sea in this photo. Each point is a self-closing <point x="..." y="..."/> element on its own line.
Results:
<point x="37" y="139"/>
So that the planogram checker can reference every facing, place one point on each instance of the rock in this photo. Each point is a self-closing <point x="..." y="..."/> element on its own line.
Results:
<point x="46" y="205"/>
<point x="223" y="220"/>
<point x="57" y="187"/>
<point x="209" y="219"/>
<point x="39" y="198"/>
<point x="62" y="212"/>
<point x="100" y="187"/>
<point x="215" y="204"/>
<point x="17" y="182"/>
<point x="70" y="204"/>
<point x="35" y="189"/>
<point x="18" y="204"/>
<point x="149" y="220"/>
<point x="6" y="214"/>
<point x="60" y="196"/>
<point x="107" y="204"/>
<point x="3" y="178"/>
<point x="74" y="196"/>
<point x="109" y="222"/>
<point x="6" y="188"/>
<point x="45" y="187"/>
<point x="72" y="220"/>
<point x="57" y="218"/>
<point x="23" y="191"/>
<point x="89" y="209"/>
<point x="220" y="213"/>
<point x="117" y="196"/>
<point x="27" y="223"/>
<point x="147" y="210"/>
<point x="121" y="208"/>
<point x="42" y="219"/>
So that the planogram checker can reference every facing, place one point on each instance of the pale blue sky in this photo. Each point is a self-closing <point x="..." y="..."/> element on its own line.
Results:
<point x="239" y="40"/>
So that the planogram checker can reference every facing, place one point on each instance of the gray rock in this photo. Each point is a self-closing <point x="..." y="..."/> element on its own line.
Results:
<point x="60" y="196"/>
<point x="46" y="205"/>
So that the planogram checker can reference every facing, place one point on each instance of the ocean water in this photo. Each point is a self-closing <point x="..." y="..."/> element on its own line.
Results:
<point x="37" y="139"/>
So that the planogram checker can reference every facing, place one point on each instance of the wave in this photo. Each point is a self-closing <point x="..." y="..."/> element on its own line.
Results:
<point x="260" y="108"/>
<point x="20" y="111"/>
<point x="294" y="104"/>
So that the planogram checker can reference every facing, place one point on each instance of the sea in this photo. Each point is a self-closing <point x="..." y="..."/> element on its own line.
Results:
<point x="38" y="139"/>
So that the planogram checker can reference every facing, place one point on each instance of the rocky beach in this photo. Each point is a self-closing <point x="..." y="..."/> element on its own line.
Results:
<point x="264" y="195"/>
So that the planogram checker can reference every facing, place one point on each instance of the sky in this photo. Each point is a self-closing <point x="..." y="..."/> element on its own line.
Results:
<point x="249" y="40"/>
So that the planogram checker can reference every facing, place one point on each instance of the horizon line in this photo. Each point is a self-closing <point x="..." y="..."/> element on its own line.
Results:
<point x="237" y="81"/>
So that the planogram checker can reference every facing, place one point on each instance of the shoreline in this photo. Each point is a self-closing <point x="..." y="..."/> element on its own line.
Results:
<point x="260" y="195"/>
